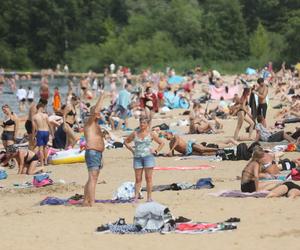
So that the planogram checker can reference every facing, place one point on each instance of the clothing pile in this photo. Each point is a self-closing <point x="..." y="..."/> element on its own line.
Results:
<point x="153" y="217"/>
<point x="200" y="184"/>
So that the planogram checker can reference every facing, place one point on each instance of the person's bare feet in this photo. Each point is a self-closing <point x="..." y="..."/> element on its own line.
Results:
<point x="86" y="204"/>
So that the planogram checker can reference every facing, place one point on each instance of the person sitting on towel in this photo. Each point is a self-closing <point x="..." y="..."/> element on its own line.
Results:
<point x="186" y="148"/>
<point x="250" y="175"/>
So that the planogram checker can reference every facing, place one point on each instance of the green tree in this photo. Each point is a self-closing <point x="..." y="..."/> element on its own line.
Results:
<point x="224" y="30"/>
<point x="259" y="42"/>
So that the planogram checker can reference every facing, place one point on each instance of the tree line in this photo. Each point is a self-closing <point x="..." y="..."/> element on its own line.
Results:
<point x="89" y="34"/>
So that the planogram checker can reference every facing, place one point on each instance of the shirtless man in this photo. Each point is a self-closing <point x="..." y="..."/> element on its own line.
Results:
<point x="40" y="128"/>
<point x="93" y="153"/>
<point x="187" y="148"/>
<point x="262" y="92"/>
<point x="44" y="89"/>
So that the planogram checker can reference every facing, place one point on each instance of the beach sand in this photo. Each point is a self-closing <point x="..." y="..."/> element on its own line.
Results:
<point x="265" y="223"/>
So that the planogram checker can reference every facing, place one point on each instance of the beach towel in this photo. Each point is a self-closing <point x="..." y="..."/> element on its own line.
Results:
<point x="240" y="194"/>
<point x="201" y="167"/>
<point x="171" y="226"/>
<point x="52" y="201"/>
<point x="275" y="178"/>
<point x="217" y="93"/>
<point x="197" y="157"/>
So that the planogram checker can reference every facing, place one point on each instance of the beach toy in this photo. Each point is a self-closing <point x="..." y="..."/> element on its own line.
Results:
<point x="82" y="143"/>
<point x="68" y="157"/>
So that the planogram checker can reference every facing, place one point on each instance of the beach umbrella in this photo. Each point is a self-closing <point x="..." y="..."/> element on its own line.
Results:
<point x="175" y="80"/>
<point x="250" y="71"/>
<point x="297" y="66"/>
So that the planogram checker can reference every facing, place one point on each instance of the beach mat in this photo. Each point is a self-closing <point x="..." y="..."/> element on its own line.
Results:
<point x="201" y="167"/>
<point x="239" y="194"/>
<point x="54" y="201"/>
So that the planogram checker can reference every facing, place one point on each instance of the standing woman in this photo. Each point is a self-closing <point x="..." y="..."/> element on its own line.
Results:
<point x="143" y="155"/>
<point x="70" y="121"/>
<point x="242" y="113"/>
<point x="10" y="127"/>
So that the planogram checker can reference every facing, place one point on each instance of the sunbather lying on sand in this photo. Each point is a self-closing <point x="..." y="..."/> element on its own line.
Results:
<point x="186" y="148"/>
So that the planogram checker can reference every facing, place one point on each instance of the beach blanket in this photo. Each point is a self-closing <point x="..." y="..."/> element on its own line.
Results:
<point x="275" y="178"/>
<point x="201" y="167"/>
<point x="239" y="194"/>
<point x="52" y="201"/>
<point x="197" y="157"/>
<point x="181" y="228"/>
<point x="217" y="93"/>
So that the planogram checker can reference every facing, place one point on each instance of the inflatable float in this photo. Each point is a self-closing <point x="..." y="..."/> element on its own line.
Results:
<point x="67" y="157"/>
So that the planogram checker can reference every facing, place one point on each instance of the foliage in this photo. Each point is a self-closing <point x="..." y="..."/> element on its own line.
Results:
<point x="88" y="34"/>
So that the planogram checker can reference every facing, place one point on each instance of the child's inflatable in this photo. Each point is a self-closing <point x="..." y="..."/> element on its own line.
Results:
<point x="68" y="157"/>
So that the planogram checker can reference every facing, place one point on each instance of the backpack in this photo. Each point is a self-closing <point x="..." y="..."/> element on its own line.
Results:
<point x="41" y="180"/>
<point x="3" y="174"/>
<point x="152" y="216"/>
<point x="295" y="174"/>
<point x="125" y="192"/>
<point x="226" y="154"/>
<point x="242" y="152"/>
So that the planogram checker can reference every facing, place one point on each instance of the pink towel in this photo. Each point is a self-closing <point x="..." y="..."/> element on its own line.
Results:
<point x="217" y="93"/>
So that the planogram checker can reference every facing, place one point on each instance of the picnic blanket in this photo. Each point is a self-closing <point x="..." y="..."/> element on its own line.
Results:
<point x="217" y="93"/>
<point x="201" y="167"/>
<point x="240" y="194"/>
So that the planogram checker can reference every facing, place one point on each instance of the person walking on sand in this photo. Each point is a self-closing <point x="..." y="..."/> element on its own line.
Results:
<point x="40" y="128"/>
<point x="93" y="153"/>
<point x="143" y="155"/>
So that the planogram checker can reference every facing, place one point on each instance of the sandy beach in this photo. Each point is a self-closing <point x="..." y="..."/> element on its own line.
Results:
<point x="265" y="223"/>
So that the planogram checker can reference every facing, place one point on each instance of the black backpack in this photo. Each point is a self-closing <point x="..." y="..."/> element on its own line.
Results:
<point x="226" y="154"/>
<point x="242" y="152"/>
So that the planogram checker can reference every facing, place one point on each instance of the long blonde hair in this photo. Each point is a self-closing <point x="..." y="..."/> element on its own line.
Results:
<point x="257" y="155"/>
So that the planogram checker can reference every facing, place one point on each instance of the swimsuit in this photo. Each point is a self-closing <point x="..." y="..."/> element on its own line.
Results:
<point x="189" y="147"/>
<point x="34" y="158"/>
<point x="28" y="126"/>
<point x="8" y="135"/>
<point x="248" y="187"/>
<point x="42" y="138"/>
<point x="291" y="185"/>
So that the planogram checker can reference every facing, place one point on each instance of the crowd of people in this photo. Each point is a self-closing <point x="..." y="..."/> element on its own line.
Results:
<point x="102" y="106"/>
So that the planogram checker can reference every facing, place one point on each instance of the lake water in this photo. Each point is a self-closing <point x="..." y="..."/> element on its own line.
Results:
<point x="10" y="98"/>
